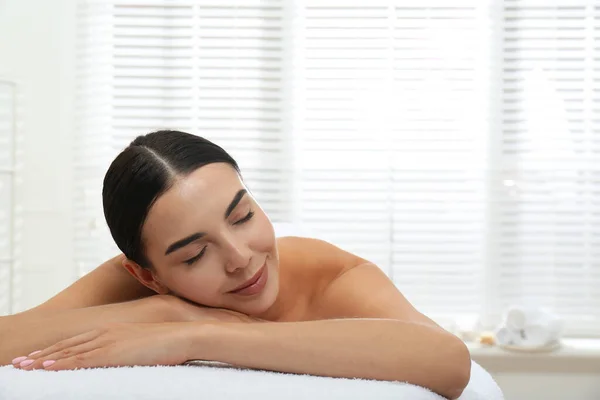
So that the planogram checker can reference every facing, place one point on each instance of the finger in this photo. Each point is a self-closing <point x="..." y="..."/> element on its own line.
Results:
<point x="65" y="353"/>
<point x="20" y="359"/>
<point x="63" y="344"/>
<point x="90" y="359"/>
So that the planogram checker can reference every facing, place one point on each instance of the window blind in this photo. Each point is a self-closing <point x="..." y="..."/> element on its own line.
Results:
<point x="392" y="97"/>
<point x="451" y="144"/>
<point x="213" y="68"/>
<point x="546" y="190"/>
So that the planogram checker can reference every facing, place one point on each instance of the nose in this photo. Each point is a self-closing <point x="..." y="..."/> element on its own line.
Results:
<point x="237" y="254"/>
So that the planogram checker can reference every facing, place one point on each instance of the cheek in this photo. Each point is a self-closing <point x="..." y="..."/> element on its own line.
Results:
<point x="198" y="285"/>
<point x="263" y="236"/>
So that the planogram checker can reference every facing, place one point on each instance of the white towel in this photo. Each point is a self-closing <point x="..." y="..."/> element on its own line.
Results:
<point x="529" y="327"/>
<point x="541" y="333"/>
<point x="507" y="336"/>
<point x="209" y="382"/>
<point x="517" y="316"/>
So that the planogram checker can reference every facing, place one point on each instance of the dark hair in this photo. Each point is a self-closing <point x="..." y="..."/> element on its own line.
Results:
<point x="146" y="169"/>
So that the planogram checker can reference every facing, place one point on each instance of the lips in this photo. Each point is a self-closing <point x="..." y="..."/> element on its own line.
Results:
<point x="252" y="280"/>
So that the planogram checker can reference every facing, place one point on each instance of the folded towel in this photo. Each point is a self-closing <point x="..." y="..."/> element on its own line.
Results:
<point x="541" y="334"/>
<point x="210" y="382"/>
<point x="517" y="316"/>
<point x="529" y="327"/>
<point x="507" y="336"/>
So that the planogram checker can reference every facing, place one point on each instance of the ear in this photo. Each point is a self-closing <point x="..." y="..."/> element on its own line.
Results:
<point x="145" y="276"/>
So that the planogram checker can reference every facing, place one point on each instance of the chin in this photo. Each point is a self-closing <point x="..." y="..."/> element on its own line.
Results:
<point x="264" y="300"/>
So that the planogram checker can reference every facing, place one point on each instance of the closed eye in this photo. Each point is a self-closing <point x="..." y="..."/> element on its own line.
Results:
<point x="192" y="260"/>
<point x="196" y="258"/>
<point x="245" y="219"/>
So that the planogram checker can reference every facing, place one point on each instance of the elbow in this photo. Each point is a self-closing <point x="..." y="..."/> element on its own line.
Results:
<point x="444" y="364"/>
<point x="457" y="369"/>
<point x="436" y="360"/>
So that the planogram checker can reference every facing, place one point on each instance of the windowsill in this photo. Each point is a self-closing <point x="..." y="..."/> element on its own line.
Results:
<point x="574" y="356"/>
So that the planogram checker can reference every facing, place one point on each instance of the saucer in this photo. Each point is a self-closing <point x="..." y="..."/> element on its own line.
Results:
<point x="532" y="349"/>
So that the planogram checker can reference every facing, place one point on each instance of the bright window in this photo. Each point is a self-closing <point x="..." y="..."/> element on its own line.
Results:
<point x="455" y="144"/>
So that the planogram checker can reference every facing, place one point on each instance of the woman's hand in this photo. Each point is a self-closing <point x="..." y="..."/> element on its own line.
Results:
<point x="118" y="344"/>
<point x="168" y="313"/>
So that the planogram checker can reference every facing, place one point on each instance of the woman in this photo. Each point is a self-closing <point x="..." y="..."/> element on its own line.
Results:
<point x="227" y="290"/>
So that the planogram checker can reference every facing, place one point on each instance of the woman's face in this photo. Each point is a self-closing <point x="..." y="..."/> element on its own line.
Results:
<point x="207" y="236"/>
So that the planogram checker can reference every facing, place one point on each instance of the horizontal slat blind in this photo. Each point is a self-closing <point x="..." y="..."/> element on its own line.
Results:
<point x="452" y="144"/>
<point x="93" y="244"/>
<point x="548" y="193"/>
<point x="393" y="163"/>
<point x="441" y="69"/>
<point x="341" y="55"/>
<point x="212" y="68"/>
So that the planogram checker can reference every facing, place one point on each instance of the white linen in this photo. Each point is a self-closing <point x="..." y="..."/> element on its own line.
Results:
<point x="212" y="381"/>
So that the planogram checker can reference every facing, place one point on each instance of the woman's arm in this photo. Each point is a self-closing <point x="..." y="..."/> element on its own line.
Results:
<point x="382" y="349"/>
<point x="79" y="307"/>
<point x="22" y="334"/>
<point x="107" y="284"/>
<point x="371" y="332"/>
<point x="365" y="328"/>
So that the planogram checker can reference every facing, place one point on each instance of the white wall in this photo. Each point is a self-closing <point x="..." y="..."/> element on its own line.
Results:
<point x="544" y="377"/>
<point x="37" y="50"/>
<point x="544" y="386"/>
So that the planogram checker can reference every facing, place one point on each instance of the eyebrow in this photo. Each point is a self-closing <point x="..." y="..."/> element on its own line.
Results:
<point x="236" y="199"/>
<point x="184" y="242"/>
<point x="198" y="235"/>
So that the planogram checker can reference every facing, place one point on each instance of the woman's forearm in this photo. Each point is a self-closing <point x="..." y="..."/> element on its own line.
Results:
<point x="22" y="334"/>
<point x="352" y="348"/>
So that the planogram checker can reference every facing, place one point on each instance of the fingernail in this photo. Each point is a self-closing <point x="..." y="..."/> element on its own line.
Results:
<point x="19" y="359"/>
<point x="26" y="363"/>
<point x="48" y="363"/>
<point x="34" y="353"/>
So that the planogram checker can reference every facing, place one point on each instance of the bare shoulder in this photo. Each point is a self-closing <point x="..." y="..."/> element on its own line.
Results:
<point x="315" y="263"/>
<point x="315" y="252"/>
